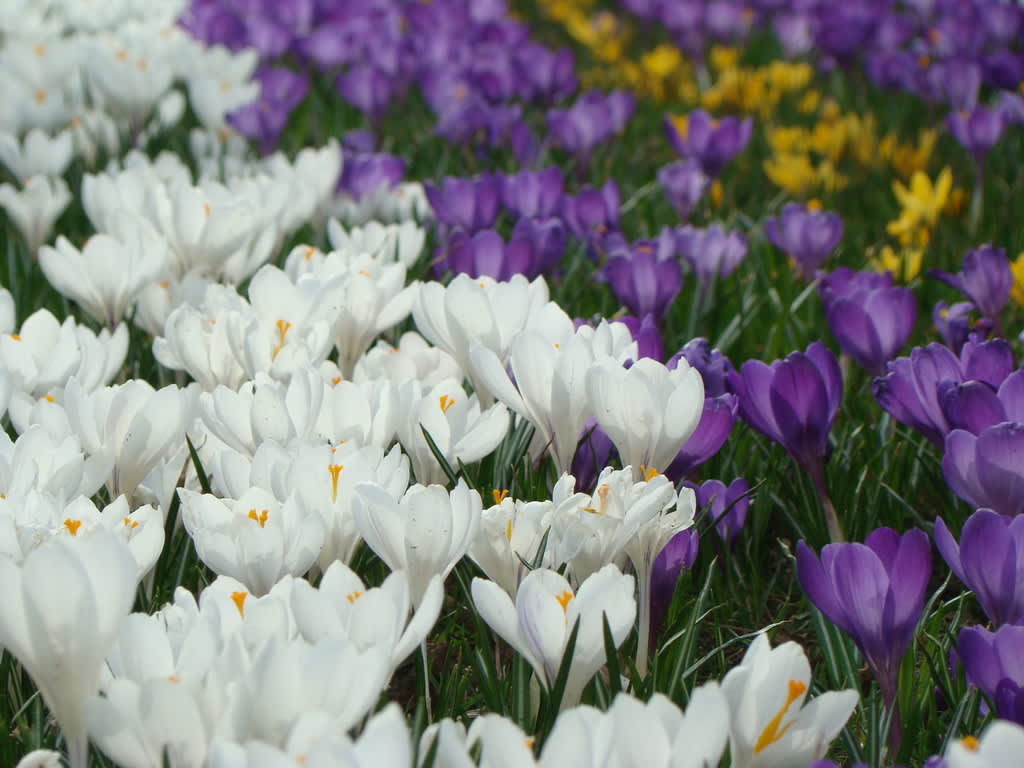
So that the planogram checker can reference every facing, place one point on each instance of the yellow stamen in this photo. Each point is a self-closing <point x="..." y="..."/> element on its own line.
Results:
<point x="563" y="600"/>
<point x="283" y="326"/>
<point x="508" y="529"/>
<point x="364" y="273"/>
<point x="40" y="97"/>
<point x="591" y="510"/>
<point x="239" y="600"/>
<point x="206" y="209"/>
<point x="970" y="743"/>
<point x="772" y="733"/>
<point x="173" y="679"/>
<point x="309" y="253"/>
<point x="336" y="381"/>
<point x="130" y="523"/>
<point x="647" y="472"/>
<point x="142" y="65"/>
<point x="446" y="403"/>
<point x="260" y="518"/>
<point x="353" y="596"/>
<point x="16" y="337"/>
<point x="499" y="496"/>
<point x="73" y="526"/>
<point x="39" y="49"/>
<point x="335" y="470"/>
<point x="49" y="398"/>
<point x="814" y="204"/>
<point x="680" y="123"/>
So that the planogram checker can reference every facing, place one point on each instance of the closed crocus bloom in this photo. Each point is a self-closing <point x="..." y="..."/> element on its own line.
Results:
<point x="726" y="506"/>
<point x="549" y="364"/>
<point x="804" y="234"/>
<point x="909" y="392"/>
<point x="713" y="143"/>
<point x="467" y="204"/>
<point x="539" y="623"/>
<point x="60" y="612"/>
<point x="36" y="154"/>
<point x="975" y="405"/>
<point x="425" y="533"/>
<point x="679" y="554"/>
<point x="648" y="411"/>
<point x="870" y="318"/>
<point x="716" y="421"/>
<point x="712" y="253"/>
<point x="684" y="184"/>
<point x="532" y="194"/>
<point x="255" y="538"/>
<point x="106" y="276"/>
<point x="510" y="534"/>
<point x="35" y="208"/>
<point x="989" y="560"/>
<point x="976" y="130"/>
<point x="769" y="724"/>
<point x="646" y="276"/>
<point x="985" y="469"/>
<point x="491" y="313"/>
<point x="136" y="424"/>
<point x="487" y="254"/>
<point x="874" y="592"/>
<point x="994" y="662"/>
<point x="999" y="746"/>
<point x="794" y="402"/>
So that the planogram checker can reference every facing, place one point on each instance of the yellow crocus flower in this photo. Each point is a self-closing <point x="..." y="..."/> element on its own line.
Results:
<point x="923" y="201"/>
<point x="1017" y="267"/>
<point x="904" y="266"/>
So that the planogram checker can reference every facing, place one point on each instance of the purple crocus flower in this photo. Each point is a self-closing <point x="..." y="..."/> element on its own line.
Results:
<point x="281" y="90"/>
<point x="485" y="253"/>
<point x="909" y="392"/>
<point x="646" y="335"/>
<point x="986" y="279"/>
<point x="712" y="253"/>
<point x="874" y="592"/>
<point x="994" y="662"/>
<point x="367" y="88"/>
<point x="716" y="422"/>
<point x="871" y="321"/>
<point x="989" y="560"/>
<point x="645" y="276"/>
<point x="362" y="174"/>
<point x="547" y="76"/>
<point x="727" y="506"/>
<point x="680" y="553"/>
<point x="592" y="212"/>
<point x="684" y="183"/>
<point x="976" y="130"/>
<point x="467" y="204"/>
<point x="593" y="454"/>
<point x="807" y="236"/>
<point x="955" y="324"/>
<point x="714" y="367"/>
<point x="987" y="470"/>
<point x="712" y="143"/>
<point x="548" y="237"/>
<point x="532" y="194"/>
<point x="975" y="405"/>
<point x="794" y="402"/>
<point x="592" y="120"/>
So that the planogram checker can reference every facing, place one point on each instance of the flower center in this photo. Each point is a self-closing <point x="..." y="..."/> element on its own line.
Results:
<point x="238" y="598"/>
<point x="260" y="517"/>
<point x="772" y="732"/>
<point x="335" y="470"/>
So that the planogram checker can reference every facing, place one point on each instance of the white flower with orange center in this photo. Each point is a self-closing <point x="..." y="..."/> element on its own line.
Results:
<point x="538" y="625"/>
<point x="999" y="746"/>
<point x="770" y="724"/>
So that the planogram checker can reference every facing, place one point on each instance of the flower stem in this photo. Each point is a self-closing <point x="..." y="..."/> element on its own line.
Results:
<point x="644" y="633"/>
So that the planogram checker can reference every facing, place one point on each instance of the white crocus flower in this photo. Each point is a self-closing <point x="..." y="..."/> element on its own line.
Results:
<point x="769" y="724"/>
<point x="510" y="533"/>
<point x="601" y="526"/>
<point x="132" y="72"/>
<point x="255" y="538"/>
<point x="548" y="363"/>
<point x="136" y="424"/>
<point x="648" y="411"/>
<point x="342" y="606"/>
<point x="482" y="310"/>
<point x="198" y="343"/>
<point x="42" y="355"/>
<point x="106" y="276"/>
<point x="643" y="549"/>
<point x="37" y="154"/>
<point x="59" y="615"/>
<point x="413" y="358"/>
<point x="219" y="82"/>
<point x="365" y="413"/>
<point x="386" y="242"/>
<point x="325" y="478"/>
<point x="424" y="534"/>
<point x="459" y="427"/>
<point x="142" y="529"/>
<point x="35" y="208"/>
<point x="40" y="758"/>
<point x="37" y="461"/>
<point x="539" y="623"/>
<point x="1000" y="746"/>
